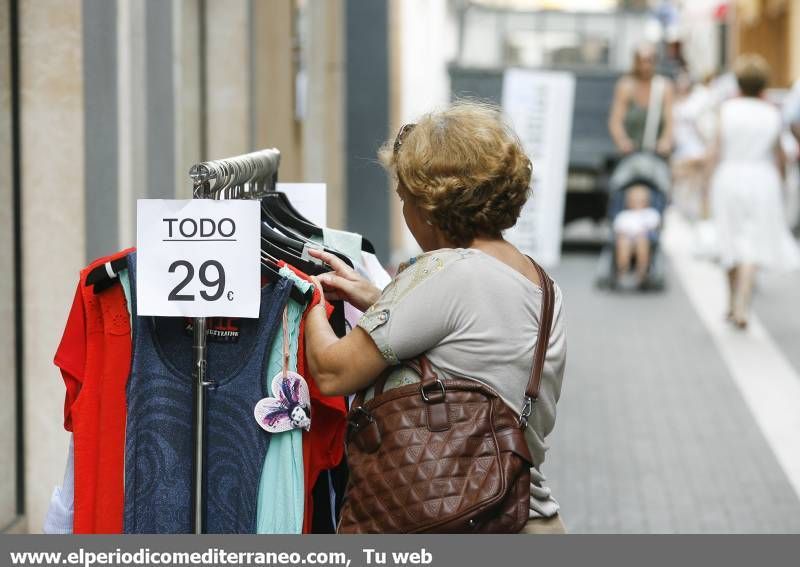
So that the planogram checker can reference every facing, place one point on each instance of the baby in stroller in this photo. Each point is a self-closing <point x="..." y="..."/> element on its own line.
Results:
<point x="634" y="229"/>
<point x="636" y="203"/>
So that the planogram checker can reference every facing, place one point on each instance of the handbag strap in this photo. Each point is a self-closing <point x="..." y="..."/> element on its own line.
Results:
<point x="542" y="342"/>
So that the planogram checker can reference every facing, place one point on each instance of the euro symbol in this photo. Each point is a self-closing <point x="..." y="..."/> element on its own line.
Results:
<point x="230" y="296"/>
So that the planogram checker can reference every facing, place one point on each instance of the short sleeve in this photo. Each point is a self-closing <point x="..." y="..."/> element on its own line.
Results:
<point x="415" y="311"/>
<point x="71" y="355"/>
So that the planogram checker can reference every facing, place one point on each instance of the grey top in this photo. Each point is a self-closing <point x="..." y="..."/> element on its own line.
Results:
<point x="473" y="316"/>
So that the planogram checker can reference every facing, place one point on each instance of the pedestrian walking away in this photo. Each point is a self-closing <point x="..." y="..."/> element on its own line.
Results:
<point x="746" y="189"/>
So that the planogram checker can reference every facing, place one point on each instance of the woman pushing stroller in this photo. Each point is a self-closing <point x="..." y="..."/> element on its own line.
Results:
<point x="640" y="123"/>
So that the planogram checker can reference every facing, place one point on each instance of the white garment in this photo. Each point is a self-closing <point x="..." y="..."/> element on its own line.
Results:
<point x="60" y="513"/>
<point x="375" y="271"/>
<point x="746" y="197"/>
<point x="636" y="222"/>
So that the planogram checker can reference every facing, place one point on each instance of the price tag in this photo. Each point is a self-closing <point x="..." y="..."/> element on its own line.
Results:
<point x="198" y="258"/>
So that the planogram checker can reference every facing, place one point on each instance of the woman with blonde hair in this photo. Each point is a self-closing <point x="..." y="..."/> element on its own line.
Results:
<point x="746" y="196"/>
<point x="471" y="302"/>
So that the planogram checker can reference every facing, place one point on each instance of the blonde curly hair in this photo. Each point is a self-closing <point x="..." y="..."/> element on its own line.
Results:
<point x="465" y="168"/>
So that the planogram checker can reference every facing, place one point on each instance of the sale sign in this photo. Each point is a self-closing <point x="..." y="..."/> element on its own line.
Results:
<point x="198" y="258"/>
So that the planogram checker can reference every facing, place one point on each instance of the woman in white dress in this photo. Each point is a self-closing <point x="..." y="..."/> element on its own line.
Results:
<point x="747" y="202"/>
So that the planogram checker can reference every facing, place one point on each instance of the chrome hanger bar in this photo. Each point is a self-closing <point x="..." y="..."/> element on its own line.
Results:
<point x="248" y="176"/>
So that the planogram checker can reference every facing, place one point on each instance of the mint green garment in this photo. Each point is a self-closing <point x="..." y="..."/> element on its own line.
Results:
<point x="281" y="490"/>
<point x="125" y="281"/>
<point x="348" y="243"/>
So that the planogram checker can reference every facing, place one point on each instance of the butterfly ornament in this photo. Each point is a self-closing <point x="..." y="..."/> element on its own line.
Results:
<point x="290" y="405"/>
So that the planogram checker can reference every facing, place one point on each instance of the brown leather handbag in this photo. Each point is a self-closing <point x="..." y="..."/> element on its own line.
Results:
<point x="442" y="456"/>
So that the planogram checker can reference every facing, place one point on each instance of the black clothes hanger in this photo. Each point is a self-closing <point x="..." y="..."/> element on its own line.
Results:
<point x="366" y="245"/>
<point x="281" y="248"/>
<point x="289" y="207"/>
<point x="295" y="246"/>
<point x="280" y="207"/>
<point x="288" y="244"/>
<point x="103" y="277"/>
<point x="277" y="204"/>
<point x="268" y="217"/>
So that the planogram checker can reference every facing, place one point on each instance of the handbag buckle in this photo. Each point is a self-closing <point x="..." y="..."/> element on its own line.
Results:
<point x="356" y="423"/>
<point x="424" y="394"/>
<point x="527" y="409"/>
<point x="364" y="433"/>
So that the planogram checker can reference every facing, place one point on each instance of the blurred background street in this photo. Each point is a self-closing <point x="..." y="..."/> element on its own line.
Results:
<point x="672" y="419"/>
<point x="659" y="431"/>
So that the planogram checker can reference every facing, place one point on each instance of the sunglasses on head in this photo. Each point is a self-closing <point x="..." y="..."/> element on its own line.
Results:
<point x="401" y="136"/>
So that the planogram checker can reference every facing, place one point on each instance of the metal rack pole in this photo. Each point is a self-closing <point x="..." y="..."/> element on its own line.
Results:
<point x="199" y="388"/>
<point x="199" y="383"/>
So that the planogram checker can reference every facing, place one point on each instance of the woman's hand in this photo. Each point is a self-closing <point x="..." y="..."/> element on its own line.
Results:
<point x="626" y="146"/>
<point x="339" y="366"/>
<point x="345" y="283"/>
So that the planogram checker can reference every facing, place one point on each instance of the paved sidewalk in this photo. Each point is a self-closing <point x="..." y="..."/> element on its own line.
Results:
<point x="652" y="434"/>
<point x="777" y="303"/>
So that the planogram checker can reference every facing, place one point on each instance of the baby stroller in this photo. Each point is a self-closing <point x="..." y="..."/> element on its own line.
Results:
<point x="652" y="171"/>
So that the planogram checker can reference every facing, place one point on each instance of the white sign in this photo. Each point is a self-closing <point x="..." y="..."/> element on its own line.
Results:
<point x="309" y="199"/>
<point x="198" y="258"/>
<point x="539" y="105"/>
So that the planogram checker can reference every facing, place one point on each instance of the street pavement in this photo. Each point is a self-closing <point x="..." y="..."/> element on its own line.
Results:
<point x="653" y="434"/>
<point x="778" y="305"/>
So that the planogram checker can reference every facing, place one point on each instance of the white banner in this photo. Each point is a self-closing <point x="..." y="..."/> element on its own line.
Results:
<point x="539" y="105"/>
<point x="198" y="258"/>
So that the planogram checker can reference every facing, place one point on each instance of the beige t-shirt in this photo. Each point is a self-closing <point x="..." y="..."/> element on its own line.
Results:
<point x="474" y="317"/>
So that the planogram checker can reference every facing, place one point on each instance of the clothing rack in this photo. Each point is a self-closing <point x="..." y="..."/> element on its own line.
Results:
<point x="247" y="176"/>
